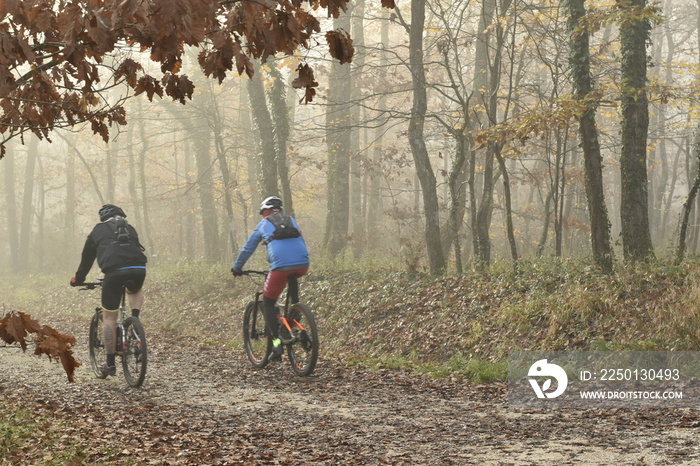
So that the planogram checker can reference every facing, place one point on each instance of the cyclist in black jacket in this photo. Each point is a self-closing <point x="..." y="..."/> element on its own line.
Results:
<point x="115" y="245"/>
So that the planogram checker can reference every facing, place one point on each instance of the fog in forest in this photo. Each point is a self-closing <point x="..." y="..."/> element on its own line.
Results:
<point x="191" y="177"/>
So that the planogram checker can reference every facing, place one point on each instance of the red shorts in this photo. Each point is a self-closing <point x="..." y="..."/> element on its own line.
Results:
<point x="277" y="280"/>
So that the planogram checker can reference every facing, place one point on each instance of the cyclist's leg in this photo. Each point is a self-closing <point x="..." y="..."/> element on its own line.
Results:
<point x="293" y="288"/>
<point x="293" y="283"/>
<point x="111" y="296"/>
<point x="274" y="285"/>
<point x="109" y="317"/>
<point x="134" y="290"/>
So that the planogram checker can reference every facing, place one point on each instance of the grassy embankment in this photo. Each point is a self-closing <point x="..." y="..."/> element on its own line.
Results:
<point x="450" y="326"/>
<point x="461" y="326"/>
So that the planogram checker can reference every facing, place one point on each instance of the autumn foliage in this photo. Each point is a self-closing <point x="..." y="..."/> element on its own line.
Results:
<point x="16" y="326"/>
<point x="58" y="57"/>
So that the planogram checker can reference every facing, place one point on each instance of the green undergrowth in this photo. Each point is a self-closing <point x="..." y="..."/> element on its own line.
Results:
<point x="28" y="439"/>
<point x="462" y="326"/>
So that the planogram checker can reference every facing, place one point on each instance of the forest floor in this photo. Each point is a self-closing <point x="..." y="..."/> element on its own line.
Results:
<point x="204" y="404"/>
<point x="369" y="401"/>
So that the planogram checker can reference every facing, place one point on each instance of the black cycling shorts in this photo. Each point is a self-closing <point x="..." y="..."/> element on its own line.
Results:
<point x="113" y="283"/>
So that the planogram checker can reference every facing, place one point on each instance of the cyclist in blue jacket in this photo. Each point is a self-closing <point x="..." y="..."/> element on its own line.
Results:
<point x="288" y="258"/>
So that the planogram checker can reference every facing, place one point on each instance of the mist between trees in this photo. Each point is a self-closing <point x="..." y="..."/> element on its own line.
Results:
<point x="459" y="134"/>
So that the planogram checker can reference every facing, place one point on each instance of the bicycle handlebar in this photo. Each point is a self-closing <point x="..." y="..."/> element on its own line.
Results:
<point x="89" y="285"/>
<point x="256" y="272"/>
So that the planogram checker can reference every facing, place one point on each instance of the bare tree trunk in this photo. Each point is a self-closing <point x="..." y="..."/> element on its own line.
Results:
<point x="190" y="218"/>
<point x="339" y="142"/>
<point x="27" y="205"/>
<point x="634" y="207"/>
<point x="593" y="161"/>
<point x="69" y="215"/>
<point x="40" y="213"/>
<point x="8" y="165"/>
<point x="672" y="188"/>
<point x="510" y="229"/>
<point x="457" y="189"/>
<point x="133" y="176"/>
<point x="93" y="178"/>
<point x="483" y="215"/>
<point x="483" y="220"/>
<point x="251" y="166"/>
<point x="559" y="189"/>
<point x="374" y="205"/>
<point x="263" y="122"/>
<point x="110" y="173"/>
<point x="456" y="186"/>
<point x="688" y="205"/>
<point x="663" y="148"/>
<point x="216" y="116"/>
<point x="478" y="210"/>
<point x="280" y="115"/>
<point x="539" y="250"/>
<point x="416" y="140"/>
<point x="356" y="169"/>
<point x="142" y="182"/>
<point x="201" y="139"/>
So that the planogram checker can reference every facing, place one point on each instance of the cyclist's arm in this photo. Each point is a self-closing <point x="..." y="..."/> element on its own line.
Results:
<point x="87" y="259"/>
<point x="248" y="249"/>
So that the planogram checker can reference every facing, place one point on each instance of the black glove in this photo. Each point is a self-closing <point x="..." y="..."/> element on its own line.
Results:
<point x="236" y="273"/>
<point x="75" y="282"/>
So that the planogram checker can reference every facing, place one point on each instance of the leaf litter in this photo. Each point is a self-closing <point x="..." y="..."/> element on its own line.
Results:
<point x="206" y="405"/>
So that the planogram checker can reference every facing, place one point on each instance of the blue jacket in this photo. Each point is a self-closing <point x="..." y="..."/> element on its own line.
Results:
<point x="284" y="254"/>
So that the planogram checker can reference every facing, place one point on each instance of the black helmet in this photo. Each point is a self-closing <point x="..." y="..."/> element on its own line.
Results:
<point x="109" y="211"/>
<point x="271" y="203"/>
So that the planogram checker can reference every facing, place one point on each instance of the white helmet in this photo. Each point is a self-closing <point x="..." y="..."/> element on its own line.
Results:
<point x="271" y="203"/>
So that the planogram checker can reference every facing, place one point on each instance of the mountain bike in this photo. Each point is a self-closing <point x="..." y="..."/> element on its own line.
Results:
<point x="298" y="333"/>
<point x="131" y="342"/>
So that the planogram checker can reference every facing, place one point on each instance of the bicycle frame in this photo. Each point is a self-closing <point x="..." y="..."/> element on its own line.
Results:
<point x="298" y="332"/>
<point x="122" y="307"/>
<point x="283" y="316"/>
<point x="130" y="341"/>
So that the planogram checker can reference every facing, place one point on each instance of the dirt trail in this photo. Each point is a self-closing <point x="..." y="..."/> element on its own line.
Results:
<point x="206" y="405"/>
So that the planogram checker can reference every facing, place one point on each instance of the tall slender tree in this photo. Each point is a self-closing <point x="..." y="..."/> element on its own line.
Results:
<point x="688" y="204"/>
<point x="25" y="236"/>
<point x="282" y="120"/>
<point x="11" y="208"/>
<point x="339" y="144"/>
<point x="416" y="139"/>
<point x="268" y="183"/>
<point x="143" y="184"/>
<point x="634" y="202"/>
<point x="593" y="160"/>
<point x="374" y="206"/>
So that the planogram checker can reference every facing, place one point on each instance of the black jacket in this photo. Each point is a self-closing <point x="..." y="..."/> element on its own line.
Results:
<point x="111" y="253"/>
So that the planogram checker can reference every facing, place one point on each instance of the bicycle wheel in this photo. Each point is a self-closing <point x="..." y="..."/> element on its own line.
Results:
<point x="134" y="352"/>
<point x="96" y="346"/>
<point x="255" y="339"/>
<point x="303" y="351"/>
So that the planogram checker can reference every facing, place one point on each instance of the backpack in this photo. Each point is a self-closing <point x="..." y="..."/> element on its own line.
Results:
<point x="122" y="248"/>
<point x="121" y="230"/>
<point x="284" y="227"/>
